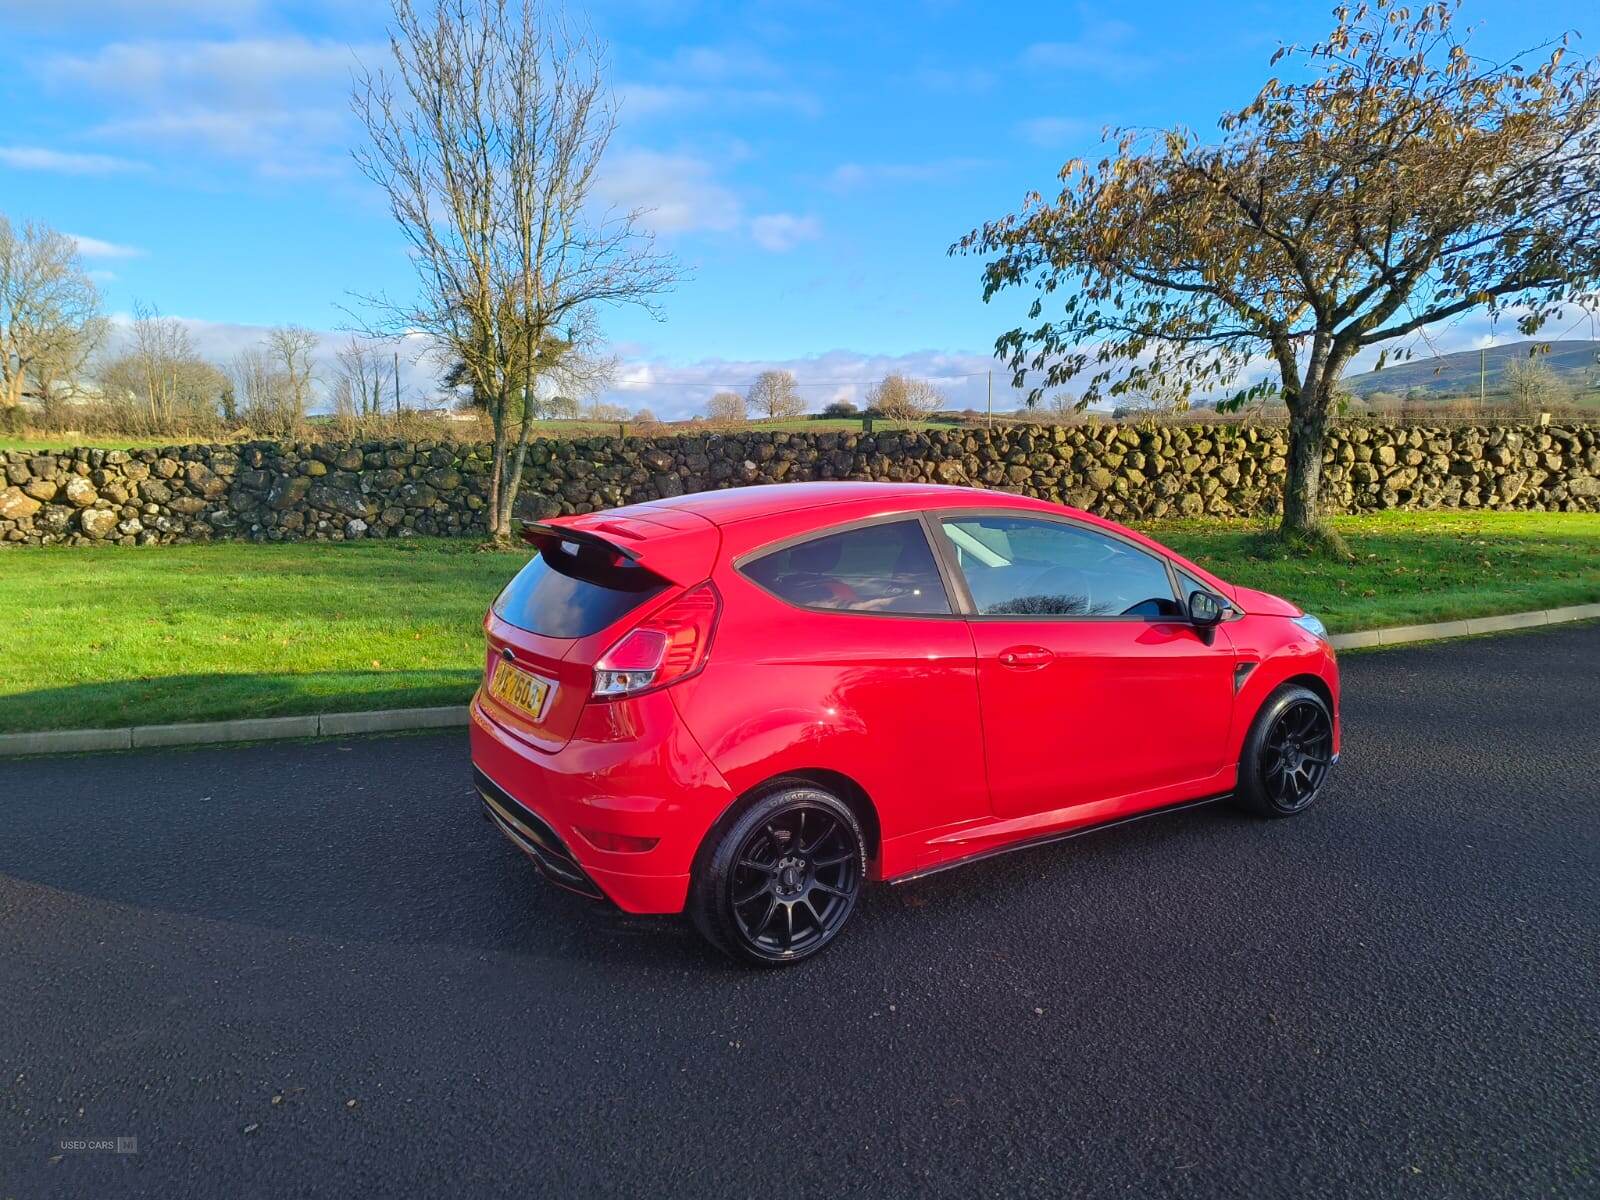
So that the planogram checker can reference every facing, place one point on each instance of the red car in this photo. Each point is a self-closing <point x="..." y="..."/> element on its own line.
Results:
<point x="745" y="704"/>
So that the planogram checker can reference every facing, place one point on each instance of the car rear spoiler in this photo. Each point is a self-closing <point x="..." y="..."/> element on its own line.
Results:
<point x="676" y="546"/>
<point x="536" y="533"/>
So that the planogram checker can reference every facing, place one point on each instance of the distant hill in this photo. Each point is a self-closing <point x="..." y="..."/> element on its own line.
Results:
<point x="1576" y="362"/>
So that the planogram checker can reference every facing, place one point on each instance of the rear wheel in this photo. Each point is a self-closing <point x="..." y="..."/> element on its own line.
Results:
<point x="1287" y="754"/>
<point x="782" y="880"/>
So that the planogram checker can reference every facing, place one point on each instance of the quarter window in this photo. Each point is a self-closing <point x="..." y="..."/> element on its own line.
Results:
<point x="886" y="568"/>
<point x="1016" y="566"/>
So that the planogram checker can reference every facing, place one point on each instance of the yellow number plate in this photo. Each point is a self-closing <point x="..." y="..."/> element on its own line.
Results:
<point x="521" y="691"/>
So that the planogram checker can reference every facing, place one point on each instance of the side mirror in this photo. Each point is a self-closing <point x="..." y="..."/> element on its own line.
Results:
<point x="1206" y="609"/>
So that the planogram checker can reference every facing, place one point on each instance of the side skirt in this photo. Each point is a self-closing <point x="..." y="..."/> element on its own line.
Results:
<point x="1064" y="835"/>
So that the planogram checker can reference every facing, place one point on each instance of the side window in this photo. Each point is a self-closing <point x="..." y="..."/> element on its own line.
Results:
<point x="1017" y="566"/>
<point x="886" y="568"/>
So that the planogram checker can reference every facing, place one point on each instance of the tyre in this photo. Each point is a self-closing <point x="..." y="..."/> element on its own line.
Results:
<point x="1287" y="754"/>
<point x="779" y="883"/>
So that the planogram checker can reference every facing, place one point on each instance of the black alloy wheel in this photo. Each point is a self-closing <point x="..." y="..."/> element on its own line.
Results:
<point x="783" y="880"/>
<point x="1287" y="755"/>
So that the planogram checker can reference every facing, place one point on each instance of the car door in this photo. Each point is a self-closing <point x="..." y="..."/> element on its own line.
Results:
<point x="1094" y="686"/>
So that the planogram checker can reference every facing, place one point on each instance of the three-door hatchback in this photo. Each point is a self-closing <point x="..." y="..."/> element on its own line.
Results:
<point x="745" y="704"/>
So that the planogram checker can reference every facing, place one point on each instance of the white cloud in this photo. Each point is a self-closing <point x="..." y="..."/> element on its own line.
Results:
<point x="1056" y="131"/>
<point x="38" y="158"/>
<point x="716" y="79"/>
<point x="279" y="103"/>
<point x="245" y="70"/>
<point x="95" y="248"/>
<point x="781" y="232"/>
<point x="722" y="63"/>
<point x="951" y="80"/>
<point x="269" y="134"/>
<point x="642" y="99"/>
<point x="1105" y="49"/>
<point x="848" y="177"/>
<point x="679" y="192"/>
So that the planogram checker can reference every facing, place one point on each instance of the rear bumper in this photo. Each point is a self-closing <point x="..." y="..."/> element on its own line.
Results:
<point x="631" y="770"/>
<point x="528" y="833"/>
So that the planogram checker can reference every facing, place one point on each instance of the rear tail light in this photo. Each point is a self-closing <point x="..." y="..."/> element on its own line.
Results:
<point x="666" y="646"/>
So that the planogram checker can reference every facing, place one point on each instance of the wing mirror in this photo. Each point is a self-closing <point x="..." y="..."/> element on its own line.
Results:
<point x="1207" y="609"/>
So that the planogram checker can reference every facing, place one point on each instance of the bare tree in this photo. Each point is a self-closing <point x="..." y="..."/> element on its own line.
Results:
<point x="728" y="408"/>
<point x="486" y="135"/>
<point x="364" y="379"/>
<point x="292" y="348"/>
<point x="775" y="394"/>
<point x="1063" y="405"/>
<point x="49" y="311"/>
<point x="160" y="349"/>
<point x="159" y="383"/>
<point x="1533" y="386"/>
<point x="904" y="398"/>
<point x="260" y="392"/>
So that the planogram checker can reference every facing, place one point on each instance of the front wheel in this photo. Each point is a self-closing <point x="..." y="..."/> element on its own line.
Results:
<point x="1287" y="754"/>
<point x="780" y="883"/>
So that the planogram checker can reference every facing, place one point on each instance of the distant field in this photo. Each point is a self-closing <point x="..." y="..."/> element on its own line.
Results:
<point x="463" y="432"/>
<point x="50" y="442"/>
<point x="122" y="636"/>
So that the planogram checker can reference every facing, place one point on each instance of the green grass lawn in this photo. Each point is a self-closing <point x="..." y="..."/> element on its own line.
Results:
<point x="122" y="636"/>
<point x="1412" y="567"/>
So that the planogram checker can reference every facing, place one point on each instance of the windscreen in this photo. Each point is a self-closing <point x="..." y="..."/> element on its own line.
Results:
<point x="570" y="591"/>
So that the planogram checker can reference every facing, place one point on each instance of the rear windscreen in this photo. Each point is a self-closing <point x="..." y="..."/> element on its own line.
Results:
<point x="571" y="591"/>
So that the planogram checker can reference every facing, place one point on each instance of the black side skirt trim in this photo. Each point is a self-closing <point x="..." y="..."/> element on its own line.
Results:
<point x="1064" y="835"/>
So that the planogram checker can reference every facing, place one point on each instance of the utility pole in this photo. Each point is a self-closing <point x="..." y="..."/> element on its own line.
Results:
<point x="990" y="420"/>
<point x="1483" y="370"/>
<point x="397" y="383"/>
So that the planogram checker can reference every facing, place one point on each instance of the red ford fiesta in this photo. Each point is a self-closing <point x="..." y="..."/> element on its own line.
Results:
<point x="745" y="704"/>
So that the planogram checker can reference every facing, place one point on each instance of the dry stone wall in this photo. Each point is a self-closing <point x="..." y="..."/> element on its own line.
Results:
<point x="267" y="491"/>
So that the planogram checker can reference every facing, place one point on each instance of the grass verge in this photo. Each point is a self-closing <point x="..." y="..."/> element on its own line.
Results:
<point x="121" y="636"/>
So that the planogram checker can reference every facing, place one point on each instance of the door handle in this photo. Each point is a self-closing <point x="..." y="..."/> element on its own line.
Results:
<point x="1024" y="658"/>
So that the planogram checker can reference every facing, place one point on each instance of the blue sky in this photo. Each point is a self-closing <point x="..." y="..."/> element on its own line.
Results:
<point x="808" y="163"/>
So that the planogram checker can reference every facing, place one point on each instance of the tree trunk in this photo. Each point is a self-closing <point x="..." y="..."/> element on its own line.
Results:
<point x="514" y="480"/>
<point x="1308" y="433"/>
<point x="497" y="470"/>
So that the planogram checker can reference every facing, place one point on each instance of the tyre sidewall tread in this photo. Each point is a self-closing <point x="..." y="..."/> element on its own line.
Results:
<point x="1251" y="793"/>
<point x="708" y="905"/>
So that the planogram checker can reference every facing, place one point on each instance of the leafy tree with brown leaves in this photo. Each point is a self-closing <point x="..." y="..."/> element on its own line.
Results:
<point x="1393" y="182"/>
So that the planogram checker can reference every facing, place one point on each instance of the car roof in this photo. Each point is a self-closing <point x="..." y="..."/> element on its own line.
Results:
<point x="755" y="501"/>
<point x="668" y="535"/>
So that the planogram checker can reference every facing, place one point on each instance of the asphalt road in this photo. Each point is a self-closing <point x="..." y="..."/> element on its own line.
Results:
<point x="312" y="969"/>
